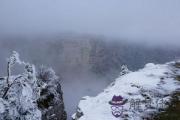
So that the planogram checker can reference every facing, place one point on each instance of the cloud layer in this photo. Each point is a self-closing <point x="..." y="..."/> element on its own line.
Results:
<point x="139" y="20"/>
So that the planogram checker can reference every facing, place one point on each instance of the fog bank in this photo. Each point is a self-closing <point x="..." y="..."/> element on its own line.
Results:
<point x="143" y="21"/>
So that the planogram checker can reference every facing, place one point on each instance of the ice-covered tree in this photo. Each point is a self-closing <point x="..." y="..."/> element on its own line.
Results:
<point x="30" y="95"/>
<point x="124" y="70"/>
<point x="12" y="60"/>
<point x="18" y="101"/>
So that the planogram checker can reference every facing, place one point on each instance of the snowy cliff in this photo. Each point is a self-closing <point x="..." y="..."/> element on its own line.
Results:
<point x="134" y="96"/>
<point x="30" y="95"/>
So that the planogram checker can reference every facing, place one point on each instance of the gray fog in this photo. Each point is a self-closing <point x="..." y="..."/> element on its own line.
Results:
<point x="147" y="21"/>
<point x="87" y="41"/>
<point x="86" y="64"/>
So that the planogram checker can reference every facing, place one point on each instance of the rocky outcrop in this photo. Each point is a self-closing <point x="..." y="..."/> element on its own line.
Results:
<point x="143" y="94"/>
<point x="31" y="95"/>
<point x="51" y="96"/>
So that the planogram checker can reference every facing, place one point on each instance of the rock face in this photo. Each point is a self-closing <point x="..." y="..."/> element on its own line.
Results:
<point x="51" y="100"/>
<point x="136" y="95"/>
<point x="78" y="52"/>
<point x="30" y="95"/>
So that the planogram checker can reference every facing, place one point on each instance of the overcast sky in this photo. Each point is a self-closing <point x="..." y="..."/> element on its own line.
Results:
<point x="137" y="20"/>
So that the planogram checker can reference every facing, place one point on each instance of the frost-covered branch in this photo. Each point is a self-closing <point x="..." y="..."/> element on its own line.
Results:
<point x="14" y="58"/>
<point x="7" y="89"/>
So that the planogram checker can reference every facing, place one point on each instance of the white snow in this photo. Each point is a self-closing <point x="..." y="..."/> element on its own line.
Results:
<point x="154" y="81"/>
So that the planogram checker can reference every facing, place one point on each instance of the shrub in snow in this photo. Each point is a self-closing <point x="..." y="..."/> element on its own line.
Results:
<point x="124" y="70"/>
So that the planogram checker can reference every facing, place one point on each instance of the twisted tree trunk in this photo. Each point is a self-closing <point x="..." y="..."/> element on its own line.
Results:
<point x="8" y="74"/>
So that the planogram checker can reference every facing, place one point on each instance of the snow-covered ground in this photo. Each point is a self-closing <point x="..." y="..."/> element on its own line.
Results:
<point x="145" y="92"/>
